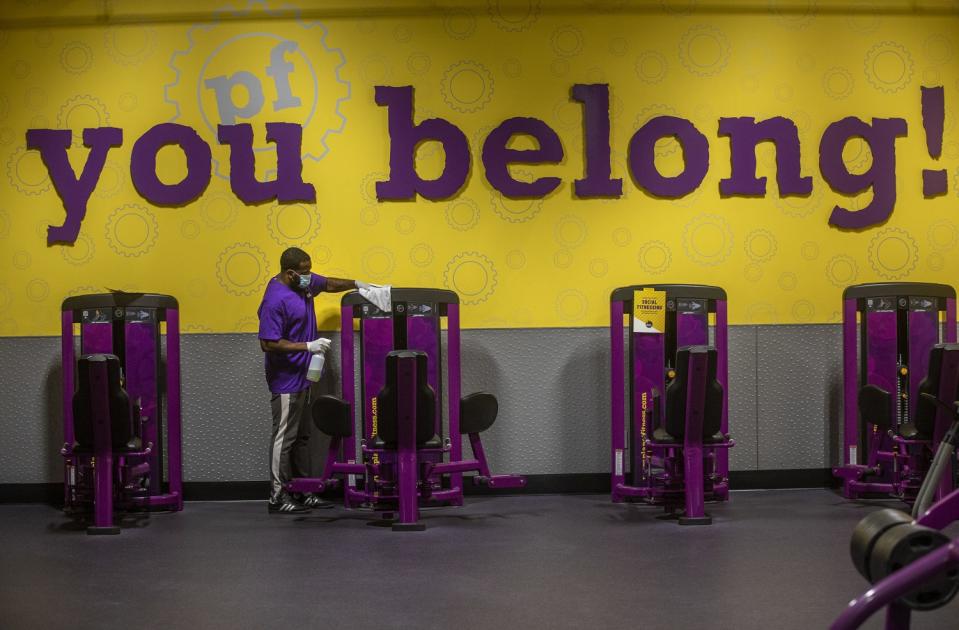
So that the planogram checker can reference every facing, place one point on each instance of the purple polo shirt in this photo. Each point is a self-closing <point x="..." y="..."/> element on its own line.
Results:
<point x="288" y="314"/>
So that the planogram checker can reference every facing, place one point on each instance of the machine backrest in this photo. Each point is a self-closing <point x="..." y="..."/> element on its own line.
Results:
<point x="386" y="400"/>
<point x="939" y="356"/>
<point x="121" y="416"/>
<point x="331" y="415"/>
<point x="675" y="422"/>
<point x="477" y="412"/>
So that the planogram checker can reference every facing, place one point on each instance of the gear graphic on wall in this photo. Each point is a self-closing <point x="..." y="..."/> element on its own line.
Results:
<point x="838" y="83"/>
<point x="81" y="112"/>
<point x="516" y="210"/>
<point x="842" y="270"/>
<point x="893" y="253"/>
<point x="462" y="214"/>
<point x="760" y="245"/>
<point x="708" y="239"/>
<point x="459" y="23"/>
<point x="80" y="252"/>
<point x="472" y="275"/>
<point x="704" y="50"/>
<point x="132" y="230"/>
<point x="889" y="67"/>
<point x="513" y="17"/>
<point x="117" y="47"/>
<point x="76" y="57"/>
<point x="294" y="224"/>
<point x="655" y="257"/>
<point x="467" y="86"/>
<point x="223" y="51"/>
<point x="242" y="269"/>
<point x="26" y="172"/>
<point x="567" y="41"/>
<point x="378" y="263"/>
<point x="651" y="66"/>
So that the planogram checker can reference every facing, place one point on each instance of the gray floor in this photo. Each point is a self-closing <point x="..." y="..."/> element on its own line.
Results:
<point x="772" y="559"/>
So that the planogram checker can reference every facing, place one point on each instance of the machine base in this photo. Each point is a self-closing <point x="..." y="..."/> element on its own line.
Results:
<point x="695" y="520"/>
<point x="409" y="527"/>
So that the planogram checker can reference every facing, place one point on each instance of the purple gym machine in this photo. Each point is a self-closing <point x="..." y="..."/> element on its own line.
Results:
<point x="121" y="405"/>
<point x="909" y="562"/>
<point x="410" y="452"/>
<point x="889" y="330"/>
<point x="669" y="420"/>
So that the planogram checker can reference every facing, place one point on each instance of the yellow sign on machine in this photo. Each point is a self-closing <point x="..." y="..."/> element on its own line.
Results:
<point x="649" y="311"/>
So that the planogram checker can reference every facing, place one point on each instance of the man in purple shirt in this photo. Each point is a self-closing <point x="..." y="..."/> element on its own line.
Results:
<point x="288" y="338"/>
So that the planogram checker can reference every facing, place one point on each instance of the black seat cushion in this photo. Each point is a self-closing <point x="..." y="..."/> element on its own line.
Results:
<point x="477" y="412"/>
<point x="331" y="415"/>
<point x="875" y="406"/>
<point x="123" y="433"/>
<point x="386" y="400"/>
<point x="675" y="421"/>
<point x="925" y="417"/>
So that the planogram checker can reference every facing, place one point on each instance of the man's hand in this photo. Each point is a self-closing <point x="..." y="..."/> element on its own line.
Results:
<point x="361" y="285"/>
<point x="318" y="345"/>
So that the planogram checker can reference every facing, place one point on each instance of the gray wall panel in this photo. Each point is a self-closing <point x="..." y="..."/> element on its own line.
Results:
<point x="743" y="421"/>
<point x="552" y="384"/>
<point x="226" y="409"/>
<point x="31" y="416"/>
<point x="800" y="383"/>
<point x="553" y="390"/>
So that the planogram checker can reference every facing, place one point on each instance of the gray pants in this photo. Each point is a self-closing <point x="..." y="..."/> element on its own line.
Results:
<point x="290" y="440"/>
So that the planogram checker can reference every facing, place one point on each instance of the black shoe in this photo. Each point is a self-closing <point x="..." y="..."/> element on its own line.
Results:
<point x="314" y="501"/>
<point x="286" y="505"/>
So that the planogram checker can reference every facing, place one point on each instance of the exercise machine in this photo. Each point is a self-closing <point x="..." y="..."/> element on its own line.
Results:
<point x="392" y="448"/>
<point x="669" y="408"/>
<point x="909" y="562"/>
<point x="121" y="405"/>
<point x="889" y="433"/>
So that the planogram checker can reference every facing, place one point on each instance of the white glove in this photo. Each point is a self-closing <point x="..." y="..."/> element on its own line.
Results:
<point x="361" y="285"/>
<point x="318" y="345"/>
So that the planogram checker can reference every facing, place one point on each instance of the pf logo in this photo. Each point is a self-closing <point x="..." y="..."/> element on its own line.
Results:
<point x="279" y="70"/>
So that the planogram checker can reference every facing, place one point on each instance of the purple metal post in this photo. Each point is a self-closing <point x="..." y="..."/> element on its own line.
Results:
<point x="349" y="393"/>
<point x="140" y="363"/>
<point x="174" y="415"/>
<point x="923" y="335"/>
<point x="68" y="384"/>
<point x="950" y="323"/>
<point x="850" y="390"/>
<point x="617" y="396"/>
<point x="406" y="463"/>
<point x="693" y="441"/>
<point x="722" y="375"/>
<point x="453" y="362"/>
<point x="102" y="449"/>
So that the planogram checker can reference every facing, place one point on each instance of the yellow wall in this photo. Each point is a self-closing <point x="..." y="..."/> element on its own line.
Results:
<point x="515" y="263"/>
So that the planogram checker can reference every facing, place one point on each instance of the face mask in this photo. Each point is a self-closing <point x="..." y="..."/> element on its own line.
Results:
<point x="304" y="281"/>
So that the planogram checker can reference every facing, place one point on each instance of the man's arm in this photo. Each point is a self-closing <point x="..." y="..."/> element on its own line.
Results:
<point x="338" y="285"/>
<point x="283" y="345"/>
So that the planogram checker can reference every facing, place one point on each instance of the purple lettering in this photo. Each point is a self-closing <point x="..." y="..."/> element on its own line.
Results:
<point x="288" y="185"/>
<point x="744" y="134"/>
<point x="74" y="191"/>
<point x="404" y="181"/>
<point x="881" y="176"/>
<point x="497" y="157"/>
<point x="642" y="157"/>
<point x="143" y="163"/>
<point x="597" y="183"/>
